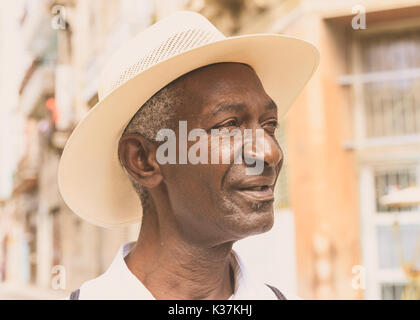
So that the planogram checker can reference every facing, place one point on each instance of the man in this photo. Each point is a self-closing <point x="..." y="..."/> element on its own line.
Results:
<point x="183" y="73"/>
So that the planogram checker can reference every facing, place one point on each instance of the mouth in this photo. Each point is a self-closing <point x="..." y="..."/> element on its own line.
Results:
<point x="257" y="193"/>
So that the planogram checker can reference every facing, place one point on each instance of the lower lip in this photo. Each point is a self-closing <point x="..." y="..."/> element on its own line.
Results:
<point x="254" y="195"/>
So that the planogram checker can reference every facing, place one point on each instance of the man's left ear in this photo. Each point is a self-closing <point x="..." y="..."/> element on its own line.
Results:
<point x="138" y="156"/>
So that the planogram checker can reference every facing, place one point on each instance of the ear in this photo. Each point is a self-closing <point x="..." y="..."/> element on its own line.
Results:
<point x="138" y="155"/>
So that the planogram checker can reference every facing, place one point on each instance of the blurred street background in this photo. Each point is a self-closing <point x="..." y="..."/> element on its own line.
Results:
<point x="347" y="200"/>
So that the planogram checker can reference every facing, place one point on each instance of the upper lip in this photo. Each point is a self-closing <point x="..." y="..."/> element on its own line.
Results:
<point x="256" y="182"/>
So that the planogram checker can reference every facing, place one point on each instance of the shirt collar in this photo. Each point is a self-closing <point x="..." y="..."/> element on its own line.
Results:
<point x="118" y="282"/>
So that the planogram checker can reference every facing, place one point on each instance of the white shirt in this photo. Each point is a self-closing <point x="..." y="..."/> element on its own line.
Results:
<point x="119" y="283"/>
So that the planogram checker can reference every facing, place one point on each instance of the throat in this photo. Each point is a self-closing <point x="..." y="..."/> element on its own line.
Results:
<point x="184" y="275"/>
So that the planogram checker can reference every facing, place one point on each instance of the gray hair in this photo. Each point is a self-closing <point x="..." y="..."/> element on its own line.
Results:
<point x="159" y="112"/>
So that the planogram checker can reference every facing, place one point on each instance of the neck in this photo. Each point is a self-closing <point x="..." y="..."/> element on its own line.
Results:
<point x="171" y="267"/>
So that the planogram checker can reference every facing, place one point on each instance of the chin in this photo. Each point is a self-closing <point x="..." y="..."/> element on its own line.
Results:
<point x="242" y="219"/>
<point x="252" y="223"/>
<point x="263" y="222"/>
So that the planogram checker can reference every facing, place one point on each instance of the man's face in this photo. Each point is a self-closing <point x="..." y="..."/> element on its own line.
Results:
<point x="221" y="202"/>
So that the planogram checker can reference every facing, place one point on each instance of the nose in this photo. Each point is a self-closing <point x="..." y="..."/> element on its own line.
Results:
<point x="260" y="146"/>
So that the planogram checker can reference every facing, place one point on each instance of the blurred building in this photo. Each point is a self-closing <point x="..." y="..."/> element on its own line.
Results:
<point x="37" y="230"/>
<point x="352" y="134"/>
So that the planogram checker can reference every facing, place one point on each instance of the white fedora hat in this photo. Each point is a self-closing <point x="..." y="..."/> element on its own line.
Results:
<point x="90" y="177"/>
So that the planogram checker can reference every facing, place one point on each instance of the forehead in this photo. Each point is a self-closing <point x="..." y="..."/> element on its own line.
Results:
<point x="208" y="87"/>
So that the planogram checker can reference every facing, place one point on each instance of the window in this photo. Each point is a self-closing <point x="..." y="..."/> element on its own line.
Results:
<point x="391" y="291"/>
<point x="396" y="244"/>
<point x="391" y="84"/>
<point x="388" y="179"/>
<point x="386" y="87"/>
<point x="390" y="237"/>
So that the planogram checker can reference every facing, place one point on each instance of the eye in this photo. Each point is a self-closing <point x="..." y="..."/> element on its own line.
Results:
<point x="271" y="126"/>
<point x="227" y="124"/>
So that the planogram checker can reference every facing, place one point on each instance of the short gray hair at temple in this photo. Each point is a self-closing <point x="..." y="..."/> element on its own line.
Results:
<point x="157" y="113"/>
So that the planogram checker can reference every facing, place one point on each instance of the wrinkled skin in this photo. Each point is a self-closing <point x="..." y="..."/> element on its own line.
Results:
<point x="200" y="210"/>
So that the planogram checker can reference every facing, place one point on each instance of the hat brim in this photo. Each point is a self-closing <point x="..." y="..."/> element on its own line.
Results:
<point x="91" y="179"/>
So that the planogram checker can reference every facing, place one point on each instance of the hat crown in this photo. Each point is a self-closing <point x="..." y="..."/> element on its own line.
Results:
<point x="181" y="31"/>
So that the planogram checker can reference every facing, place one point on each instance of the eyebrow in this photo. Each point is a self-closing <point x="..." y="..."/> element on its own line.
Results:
<point x="271" y="106"/>
<point x="226" y="106"/>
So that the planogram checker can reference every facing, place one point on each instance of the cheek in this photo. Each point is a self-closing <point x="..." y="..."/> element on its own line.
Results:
<point x="193" y="184"/>
<point x="200" y="184"/>
<point x="225" y="149"/>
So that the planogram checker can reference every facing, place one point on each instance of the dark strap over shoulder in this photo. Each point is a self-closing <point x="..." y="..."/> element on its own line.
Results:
<point x="277" y="292"/>
<point x="75" y="295"/>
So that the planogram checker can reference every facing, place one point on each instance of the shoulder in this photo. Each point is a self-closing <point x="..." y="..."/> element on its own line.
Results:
<point x="258" y="285"/>
<point x="283" y="294"/>
<point x="278" y="293"/>
<point x="115" y="283"/>
<point x="291" y="296"/>
<point x="97" y="288"/>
